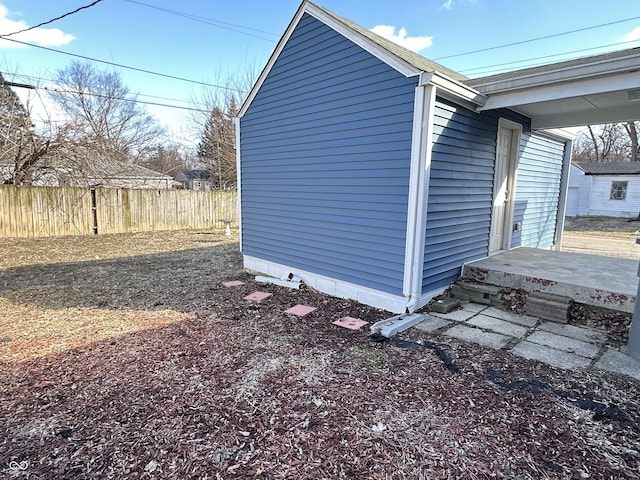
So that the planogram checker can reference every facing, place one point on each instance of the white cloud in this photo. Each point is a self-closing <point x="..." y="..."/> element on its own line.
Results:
<point x="632" y="35"/>
<point x="448" y="4"/>
<point x="46" y="37"/>
<point x="401" y="38"/>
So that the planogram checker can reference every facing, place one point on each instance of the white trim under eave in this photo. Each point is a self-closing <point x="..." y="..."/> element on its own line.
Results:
<point x="559" y="91"/>
<point x="560" y="74"/>
<point x="330" y="286"/>
<point x="454" y="90"/>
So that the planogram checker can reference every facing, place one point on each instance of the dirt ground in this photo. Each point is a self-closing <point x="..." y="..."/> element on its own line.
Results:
<point x="125" y="357"/>
<point x="602" y="236"/>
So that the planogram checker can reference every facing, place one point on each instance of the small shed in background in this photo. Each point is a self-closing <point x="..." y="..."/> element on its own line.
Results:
<point x="610" y="189"/>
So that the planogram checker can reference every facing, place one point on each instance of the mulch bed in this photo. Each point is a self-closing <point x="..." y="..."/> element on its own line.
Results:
<point x="230" y="388"/>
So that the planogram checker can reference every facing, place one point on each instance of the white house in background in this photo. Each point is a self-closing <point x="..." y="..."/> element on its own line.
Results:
<point x="609" y="189"/>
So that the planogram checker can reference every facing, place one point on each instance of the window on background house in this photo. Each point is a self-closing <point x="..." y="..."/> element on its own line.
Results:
<point x="618" y="191"/>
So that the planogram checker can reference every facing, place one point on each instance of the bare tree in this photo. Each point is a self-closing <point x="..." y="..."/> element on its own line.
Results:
<point x="612" y="142"/>
<point x="167" y="159"/>
<point x="632" y="130"/>
<point x="215" y="128"/>
<point x="24" y="148"/>
<point x="106" y="111"/>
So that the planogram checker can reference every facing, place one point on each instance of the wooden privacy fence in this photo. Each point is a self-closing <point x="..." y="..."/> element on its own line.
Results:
<point x="53" y="211"/>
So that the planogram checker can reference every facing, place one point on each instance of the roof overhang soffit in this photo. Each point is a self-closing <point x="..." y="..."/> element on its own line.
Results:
<point x="561" y="90"/>
<point x="582" y="92"/>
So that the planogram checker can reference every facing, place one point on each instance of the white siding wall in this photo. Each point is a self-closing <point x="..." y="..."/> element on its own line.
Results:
<point x="581" y="182"/>
<point x="600" y="203"/>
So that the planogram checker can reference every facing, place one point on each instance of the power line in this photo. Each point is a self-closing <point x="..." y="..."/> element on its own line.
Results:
<point x="37" y="80"/>
<point x="210" y="21"/>
<point x="127" y="67"/>
<point x="52" y="20"/>
<point x="123" y="99"/>
<point x="536" y="39"/>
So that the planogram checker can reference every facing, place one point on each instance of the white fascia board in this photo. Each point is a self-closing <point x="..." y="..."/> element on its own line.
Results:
<point x="330" y="286"/>
<point x="576" y="88"/>
<point x="567" y="74"/>
<point x="626" y="113"/>
<point x="456" y="90"/>
<point x="558" y="133"/>
<point x="363" y="42"/>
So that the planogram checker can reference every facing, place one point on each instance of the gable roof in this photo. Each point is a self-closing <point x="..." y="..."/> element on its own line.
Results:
<point x="609" y="168"/>
<point x="412" y="58"/>
<point x="396" y="56"/>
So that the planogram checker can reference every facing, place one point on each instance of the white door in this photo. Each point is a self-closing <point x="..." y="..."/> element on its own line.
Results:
<point x="502" y="193"/>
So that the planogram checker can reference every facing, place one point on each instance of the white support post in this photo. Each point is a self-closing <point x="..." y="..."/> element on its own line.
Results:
<point x="425" y="100"/>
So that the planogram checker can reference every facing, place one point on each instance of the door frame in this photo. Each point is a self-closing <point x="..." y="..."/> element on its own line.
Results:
<point x="514" y="155"/>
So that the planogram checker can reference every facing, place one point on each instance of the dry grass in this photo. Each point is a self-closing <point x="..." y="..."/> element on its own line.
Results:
<point x="61" y="293"/>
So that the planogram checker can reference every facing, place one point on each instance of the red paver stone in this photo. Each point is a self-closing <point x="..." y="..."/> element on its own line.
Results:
<point x="350" y="323"/>
<point x="257" y="296"/>
<point x="300" y="310"/>
<point x="233" y="283"/>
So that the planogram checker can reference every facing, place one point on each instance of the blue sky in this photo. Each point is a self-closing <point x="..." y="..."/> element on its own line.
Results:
<point x="208" y="41"/>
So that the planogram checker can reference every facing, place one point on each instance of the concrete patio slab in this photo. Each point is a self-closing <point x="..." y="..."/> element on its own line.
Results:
<point x="618" y="362"/>
<point x="498" y="326"/>
<point x="589" y="279"/>
<point x="475" y="335"/>
<point x="550" y="356"/>
<point x="431" y="324"/>
<point x="565" y="344"/>
<point x="525" y="320"/>
<point x="474" y="307"/>
<point x="578" y="333"/>
<point x="460" y="315"/>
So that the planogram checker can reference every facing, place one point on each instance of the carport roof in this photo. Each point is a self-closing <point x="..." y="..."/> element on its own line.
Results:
<point x="591" y="90"/>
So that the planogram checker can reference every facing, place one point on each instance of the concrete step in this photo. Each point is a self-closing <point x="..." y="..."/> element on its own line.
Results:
<point x="554" y="308"/>
<point x="476" y="292"/>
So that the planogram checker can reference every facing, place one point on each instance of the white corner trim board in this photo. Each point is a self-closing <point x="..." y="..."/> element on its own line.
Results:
<point x="330" y="286"/>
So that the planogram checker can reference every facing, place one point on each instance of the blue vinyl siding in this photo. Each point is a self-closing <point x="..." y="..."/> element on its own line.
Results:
<point x="460" y="192"/>
<point x="325" y="157"/>
<point x="537" y="191"/>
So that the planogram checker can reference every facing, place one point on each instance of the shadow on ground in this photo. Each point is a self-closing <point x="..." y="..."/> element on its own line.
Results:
<point x="182" y="281"/>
